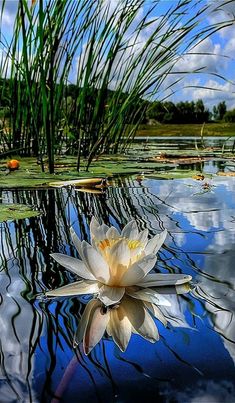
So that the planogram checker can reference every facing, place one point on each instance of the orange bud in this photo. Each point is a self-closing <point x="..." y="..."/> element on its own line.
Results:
<point x="13" y="165"/>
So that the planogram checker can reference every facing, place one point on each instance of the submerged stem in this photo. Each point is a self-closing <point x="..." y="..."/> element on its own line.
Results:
<point x="71" y="367"/>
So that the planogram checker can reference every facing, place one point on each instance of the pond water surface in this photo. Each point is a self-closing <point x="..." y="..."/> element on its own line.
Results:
<point x="194" y="359"/>
<point x="184" y="142"/>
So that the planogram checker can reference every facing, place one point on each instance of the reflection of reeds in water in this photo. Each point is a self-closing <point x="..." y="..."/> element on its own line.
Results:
<point x="24" y="253"/>
<point x="20" y="322"/>
<point x="42" y="331"/>
<point x="26" y="269"/>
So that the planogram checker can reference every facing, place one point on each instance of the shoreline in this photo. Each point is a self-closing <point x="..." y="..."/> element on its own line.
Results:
<point x="188" y="130"/>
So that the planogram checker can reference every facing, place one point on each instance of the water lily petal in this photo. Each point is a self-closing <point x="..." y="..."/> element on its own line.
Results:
<point x="120" y="327"/>
<point x="143" y="237"/>
<point x="160" y="279"/>
<point x="155" y="243"/>
<point x="111" y="295"/>
<point x="138" y="270"/>
<point x="84" y="320"/>
<point x="94" y="225"/>
<point x="112" y="233"/>
<point x="76" y="288"/>
<point x="130" y="231"/>
<point x="119" y="257"/>
<point x="156" y="312"/>
<point x="150" y="296"/>
<point x="140" y="319"/>
<point x="98" y="231"/>
<point x="176" y="313"/>
<point x="95" y="262"/>
<point x="95" y="328"/>
<point x="74" y="265"/>
<point x="108" y="330"/>
<point x="173" y="289"/>
<point x="76" y="241"/>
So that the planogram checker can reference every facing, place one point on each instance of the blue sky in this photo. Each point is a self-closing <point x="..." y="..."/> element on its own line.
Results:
<point x="216" y="54"/>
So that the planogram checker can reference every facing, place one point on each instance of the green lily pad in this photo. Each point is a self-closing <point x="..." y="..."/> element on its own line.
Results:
<point x="10" y="212"/>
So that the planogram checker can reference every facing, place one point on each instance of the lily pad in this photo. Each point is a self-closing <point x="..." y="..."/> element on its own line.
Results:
<point x="10" y="212"/>
<point x="88" y="183"/>
<point x="230" y="173"/>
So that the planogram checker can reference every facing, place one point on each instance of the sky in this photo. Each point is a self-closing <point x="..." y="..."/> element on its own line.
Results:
<point x="215" y="55"/>
<point x="221" y="61"/>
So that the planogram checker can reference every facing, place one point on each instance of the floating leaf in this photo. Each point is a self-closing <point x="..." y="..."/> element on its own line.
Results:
<point x="9" y="212"/>
<point x="89" y="182"/>
<point x="226" y="173"/>
<point x="89" y="190"/>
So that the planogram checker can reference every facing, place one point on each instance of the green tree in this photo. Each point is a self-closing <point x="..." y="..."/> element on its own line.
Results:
<point x="156" y="111"/>
<point x="186" y="112"/>
<point x="201" y="113"/>
<point x="170" y="112"/>
<point x="230" y="116"/>
<point x="219" y="110"/>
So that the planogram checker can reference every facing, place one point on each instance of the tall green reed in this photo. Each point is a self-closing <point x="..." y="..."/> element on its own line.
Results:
<point x="118" y="54"/>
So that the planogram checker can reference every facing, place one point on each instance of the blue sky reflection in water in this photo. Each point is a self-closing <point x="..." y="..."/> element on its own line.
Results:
<point x="194" y="359"/>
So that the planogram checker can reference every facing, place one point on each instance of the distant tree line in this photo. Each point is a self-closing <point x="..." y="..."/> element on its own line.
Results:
<point x="229" y="117"/>
<point x="182" y="112"/>
<point x="188" y="112"/>
<point x="220" y="113"/>
<point x="162" y="112"/>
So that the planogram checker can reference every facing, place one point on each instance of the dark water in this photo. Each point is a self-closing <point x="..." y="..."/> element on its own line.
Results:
<point x="194" y="359"/>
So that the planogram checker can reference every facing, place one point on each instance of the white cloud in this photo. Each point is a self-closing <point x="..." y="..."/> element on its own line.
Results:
<point x="212" y="93"/>
<point x="223" y="13"/>
<point x="9" y="13"/>
<point x="206" y="55"/>
<point x="230" y="46"/>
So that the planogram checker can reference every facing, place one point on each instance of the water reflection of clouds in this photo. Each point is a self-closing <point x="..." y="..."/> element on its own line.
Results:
<point x="219" y="263"/>
<point x="206" y="391"/>
<point x="17" y="329"/>
<point x="183" y="210"/>
<point x="176" y="313"/>
<point x="18" y="325"/>
<point x="202" y="211"/>
<point x="219" y="294"/>
<point x="169" y="204"/>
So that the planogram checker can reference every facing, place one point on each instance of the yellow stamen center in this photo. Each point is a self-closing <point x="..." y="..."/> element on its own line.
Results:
<point x="103" y="244"/>
<point x="132" y="244"/>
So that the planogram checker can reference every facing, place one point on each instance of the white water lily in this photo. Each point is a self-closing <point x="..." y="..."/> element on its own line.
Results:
<point x="120" y="321"/>
<point x="129" y="316"/>
<point x="117" y="264"/>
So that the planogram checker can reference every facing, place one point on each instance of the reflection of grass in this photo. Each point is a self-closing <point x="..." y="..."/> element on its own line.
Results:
<point x="210" y="129"/>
